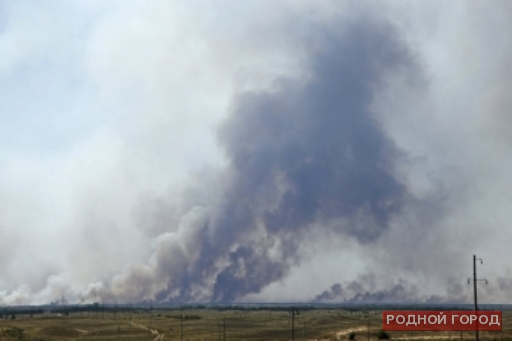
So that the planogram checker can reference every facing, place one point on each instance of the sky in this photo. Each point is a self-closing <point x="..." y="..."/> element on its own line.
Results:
<point x="254" y="151"/>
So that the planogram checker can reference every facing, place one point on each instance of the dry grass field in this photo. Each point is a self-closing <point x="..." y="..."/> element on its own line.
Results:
<point x="208" y="324"/>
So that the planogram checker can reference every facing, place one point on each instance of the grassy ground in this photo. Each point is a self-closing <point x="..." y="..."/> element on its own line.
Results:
<point x="206" y="324"/>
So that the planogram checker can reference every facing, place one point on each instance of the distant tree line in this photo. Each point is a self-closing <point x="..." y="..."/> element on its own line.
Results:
<point x="185" y="317"/>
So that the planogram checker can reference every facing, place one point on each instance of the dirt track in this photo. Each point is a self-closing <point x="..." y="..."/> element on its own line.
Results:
<point x="152" y="331"/>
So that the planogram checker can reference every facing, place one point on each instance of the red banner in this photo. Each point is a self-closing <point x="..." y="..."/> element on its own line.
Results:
<point x="421" y="320"/>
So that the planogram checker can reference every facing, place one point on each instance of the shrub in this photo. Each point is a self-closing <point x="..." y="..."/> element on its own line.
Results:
<point x="382" y="335"/>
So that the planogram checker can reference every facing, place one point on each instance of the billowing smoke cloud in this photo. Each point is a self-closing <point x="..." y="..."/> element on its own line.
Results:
<point x="256" y="150"/>
<point x="309" y="152"/>
<point x="333" y="293"/>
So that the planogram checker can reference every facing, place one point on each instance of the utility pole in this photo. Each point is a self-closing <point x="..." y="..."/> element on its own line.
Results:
<point x="181" y="324"/>
<point x="368" y="320"/>
<point x="369" y="332"/>
<point x="224" y="329"/>
<point x="295" y="311"/>
<point x="475" y="279"/>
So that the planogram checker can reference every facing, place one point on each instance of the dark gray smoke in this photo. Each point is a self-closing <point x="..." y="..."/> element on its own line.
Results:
<point x="310" y="153"/>
<point x="366" y="290"/>
<point x="307" y="153"/>
<point x="333" y="294"/>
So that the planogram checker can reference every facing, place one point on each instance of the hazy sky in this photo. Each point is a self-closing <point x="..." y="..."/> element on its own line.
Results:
<point x="254" y="150"/>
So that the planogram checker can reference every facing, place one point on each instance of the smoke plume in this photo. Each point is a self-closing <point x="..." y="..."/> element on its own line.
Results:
<point x="309" y="152"/>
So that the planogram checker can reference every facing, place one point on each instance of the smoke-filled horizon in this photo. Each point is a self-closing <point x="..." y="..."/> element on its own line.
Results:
<point x="248" y="152"/>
